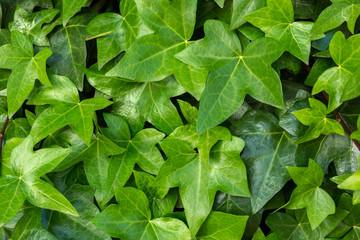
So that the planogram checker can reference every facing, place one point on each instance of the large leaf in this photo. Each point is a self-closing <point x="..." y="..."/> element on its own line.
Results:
<point x="66" y="109"/>
<point x="266" y="165"/>
<point x="234" y="73"/>
<point x="26" y="68"/>
<point x="131" y="219"/>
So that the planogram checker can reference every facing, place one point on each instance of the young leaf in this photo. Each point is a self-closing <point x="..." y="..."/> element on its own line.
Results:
<point x="315" y="118"/>
<point x="25" y="184"/>
<point x="337" y="81"/>
<point x="66" y="109"/>
<point x="151" y="57"/>
<point x="140" y="102"/>
<point x="307" y="194"/>
<point x="220" y="226"/>
<point x="131" y="219"/>
<point x="277" y="21"/>
<point x="32" y="25"/>
<point x="140" y="149"/>
<point x="334" y="15"/>
<point x="234" y="73"/>
<point x="26" y="68"/>
<point x="266" y="165"/>
<point x="116" y="33"/>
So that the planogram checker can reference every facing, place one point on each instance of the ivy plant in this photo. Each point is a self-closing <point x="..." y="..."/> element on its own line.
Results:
<point x="179" y="119"/>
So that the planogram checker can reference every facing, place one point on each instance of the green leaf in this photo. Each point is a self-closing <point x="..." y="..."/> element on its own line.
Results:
<point x="131" y="219"/>
<point x="140" y="102"/>
<point x="222" y="226"/>
<point x="337" y="80"/>
<point x="173" y="23"/>
<point x="356" y="134"/>
<point x="69" y="48"/>
<point x="28" y="167"/>
<point x="241" y="8"/>
<point x="140" y="149"/>
<point x="234" y="73"/>
<point x="277" y="21"/>
<point x="32" y="25"/>
<point x="29" y="227"/>
<point x="266" y="165"/>
<point x="316" y="118"/>
<point x="333" y="16"/>
<point x="26" y="68"/>
<point x="66" y="109"/>
<point x="352" y="182"/>
<point x="308" y="195"/>
<point x="208" y="175"/>
<point x="70" y="8"/>
<point x="65" y="226"/>
<point x="116" y="33"/>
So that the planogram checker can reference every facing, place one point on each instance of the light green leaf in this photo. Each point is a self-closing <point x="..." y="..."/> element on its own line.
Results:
<point x="66" y="109"/>
<point x="307" y="194"/>
<point x="337" y="80"/>
<point x="233" y="72"/>
<point x="32" y="25"/>
<point x="140" y="102"/>
<point x="266" y="165"/>
<point x="277" y="21"/>
<point x="26" y="68"/>
<point x="333" y="16"/>
<point x="116" y="33"/>
<point x="131" y="219"/>
<point x="316" y="118"/>
<point x="220" y="226"/>
<point x="352" y="182"/>
<point x="241" y="8"/>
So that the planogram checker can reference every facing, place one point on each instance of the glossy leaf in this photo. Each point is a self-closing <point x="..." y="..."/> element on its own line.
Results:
<point x="241" y="8"/>
<point x="234" y="73"/>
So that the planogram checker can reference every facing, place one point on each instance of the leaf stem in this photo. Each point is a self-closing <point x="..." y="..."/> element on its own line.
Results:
<point x="99" y="35"/>
<point x="2" y="133"/>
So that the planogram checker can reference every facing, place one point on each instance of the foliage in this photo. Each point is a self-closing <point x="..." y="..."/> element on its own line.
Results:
<point x="180" y="119"/>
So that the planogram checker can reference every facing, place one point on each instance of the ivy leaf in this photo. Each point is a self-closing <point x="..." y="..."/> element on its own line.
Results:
<point x="131" y="219"/>
<point x="61" y="225"/>
<point x="307" y="194"/>
<point x="337" y="80"/>
<point x="66" y="109"/>
<point x="356" y="134"/>
<point x="29" y="227"/>
<point x="241" y="8"/>
<point x="26" y="68"/>
<point x="140" y="102"/>
<point x="116" y="33"/>
<point x="25" y="184"/>
<point x="208" y="175"/>
<point x="140" y="149"/>
<point x="315" y="118"/>
<point x="234" y="73"/>
<point x="69" y="48"/>
<point x="231" y="227"/>
<point x="333" y="16"/>
<point x="70" y="8"/>
<point x="277" y="21"/>
<point x="32" y="24"/>
<point x="173" y="23"/>
<point x="266" y="165"/>
<point x="352" y="182"/>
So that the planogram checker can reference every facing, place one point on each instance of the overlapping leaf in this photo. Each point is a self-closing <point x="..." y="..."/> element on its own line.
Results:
<point x="151" y="57"/>
<point x="66" y="109"/>
<point x="131" y="219"/>
<point x="309" y="195"/>
<point x="241" y="8"/>
<point x="234" y="73"/>
<point x="316" y="118"/>
<point x="25" y="184"/>
<point x="277" y="21"/>
<point x="26" y="68"/>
